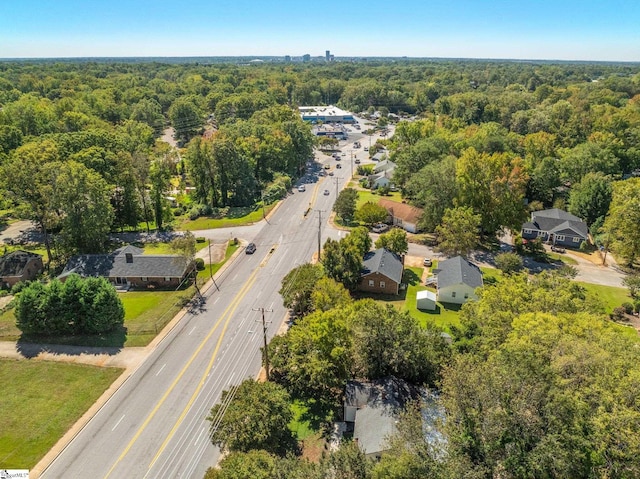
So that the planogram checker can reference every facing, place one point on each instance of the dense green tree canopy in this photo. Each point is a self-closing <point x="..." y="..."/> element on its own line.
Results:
<point x="621" y="224"/>
<point x="252" y="416"/>
<point x="77" y="306"/>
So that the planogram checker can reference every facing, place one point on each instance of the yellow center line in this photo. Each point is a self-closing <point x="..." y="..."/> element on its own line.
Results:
<point x="202" y="380"/>
<point x="227" y="312"/>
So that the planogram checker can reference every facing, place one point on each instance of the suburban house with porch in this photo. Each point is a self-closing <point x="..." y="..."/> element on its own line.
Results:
<point x="129" y="267"/>
<point x="19" y="266"/>
<point x="402" y="215"/>
<point x="381" y="272"/>
<point x="457" y="280"/>
<point x="556" y="227"/>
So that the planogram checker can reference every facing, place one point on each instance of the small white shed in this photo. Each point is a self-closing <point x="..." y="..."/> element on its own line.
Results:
<point x="426" y="300"/>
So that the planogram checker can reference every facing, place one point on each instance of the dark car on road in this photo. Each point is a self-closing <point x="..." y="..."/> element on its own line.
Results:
<point x="251" y="248"/>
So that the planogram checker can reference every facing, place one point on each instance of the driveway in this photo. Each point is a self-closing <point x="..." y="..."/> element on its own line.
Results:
<point x="23" y="231"/>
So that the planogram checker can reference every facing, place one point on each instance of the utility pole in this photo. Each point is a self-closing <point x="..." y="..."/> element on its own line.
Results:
<point x="264" y="337"/>
<point x="211" y="268"/>
<point x="336" y="179"/>
<point x="319" y="233"/>
<point x="351" y="151"/>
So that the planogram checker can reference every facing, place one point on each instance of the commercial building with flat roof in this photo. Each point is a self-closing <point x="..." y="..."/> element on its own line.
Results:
<point x="325" y="114"/>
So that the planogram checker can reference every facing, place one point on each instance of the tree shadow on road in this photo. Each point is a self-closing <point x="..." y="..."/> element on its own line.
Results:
<point x="30" y="346"/>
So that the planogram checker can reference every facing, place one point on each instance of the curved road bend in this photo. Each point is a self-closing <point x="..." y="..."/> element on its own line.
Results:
<point x="155" y="425"/>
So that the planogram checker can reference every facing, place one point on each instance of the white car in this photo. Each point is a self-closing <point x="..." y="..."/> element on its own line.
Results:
<point x="302" y="188"/>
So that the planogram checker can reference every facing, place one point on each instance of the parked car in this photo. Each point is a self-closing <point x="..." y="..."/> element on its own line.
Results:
<point x="426" y="262"/>
<point x="357" y="161"/>
<point x="366" y="148"/>
<point x="250" y="249"/>
<point x="327" y="166"/>
<point x="326" y="193"/>
<point x="557" y="249"/>
<point x="302" y="188"/>
<point x="331" y="173"/>
<point x="380" y="228"/>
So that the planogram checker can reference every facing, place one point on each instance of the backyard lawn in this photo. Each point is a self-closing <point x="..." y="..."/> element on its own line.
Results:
<point x="41" y="402"/>
<point x="445" y="314"/>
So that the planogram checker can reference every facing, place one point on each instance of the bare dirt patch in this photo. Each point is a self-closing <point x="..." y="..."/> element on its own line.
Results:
<point x="5" y="300"/>
<point x="593" y="257"/>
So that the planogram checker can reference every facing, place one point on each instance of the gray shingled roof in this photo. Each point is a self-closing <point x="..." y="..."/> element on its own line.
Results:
<point x="112" y="265"/>
<point x="458" y="270"/>
<point x="13" y="264"/>
<point x="378" y="404"/>
<point x="556" y="221"/>
<point x="384" y="262"/>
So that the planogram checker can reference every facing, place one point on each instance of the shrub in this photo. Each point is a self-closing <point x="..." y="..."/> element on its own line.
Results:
<point x="518" y="244"/>
<point x="618" y="314"/>
<point x="199" y="264"/>
<point x="636" y="307"/>
<point x="19" y="286"/>
<point x="508" y="263"/>
<point x="77" y="306"/>
<point x="584" y="247"/>
<point x="628" y="307"/>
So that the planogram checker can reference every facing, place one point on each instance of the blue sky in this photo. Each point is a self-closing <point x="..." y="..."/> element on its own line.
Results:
<point x="534" y="29"/>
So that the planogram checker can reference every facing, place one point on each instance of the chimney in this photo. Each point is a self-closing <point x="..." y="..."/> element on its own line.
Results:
<point x="129" y="257"/>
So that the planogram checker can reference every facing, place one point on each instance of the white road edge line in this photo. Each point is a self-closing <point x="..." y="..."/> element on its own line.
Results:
<point x="160" y="370"/>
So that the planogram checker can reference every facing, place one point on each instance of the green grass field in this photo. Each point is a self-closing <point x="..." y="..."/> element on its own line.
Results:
<point x="365" y="196"/>
<point x="243" y="218"/>
<point x="41" y="402"/>
<point x="165" y="248"/>
<point x="610" y="296"/>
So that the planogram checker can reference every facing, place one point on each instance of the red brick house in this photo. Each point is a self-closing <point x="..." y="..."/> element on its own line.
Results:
<point x="129" y="267"/>
<point x="19" y="266"/>
<point x="381" y="272"/>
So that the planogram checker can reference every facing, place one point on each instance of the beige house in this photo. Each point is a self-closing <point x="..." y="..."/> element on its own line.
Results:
<point x="402" y="215"/>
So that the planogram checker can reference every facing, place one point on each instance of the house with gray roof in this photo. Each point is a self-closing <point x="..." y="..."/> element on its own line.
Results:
<point x="557" y="227"/>
<point x="381" y="179"/>
<point x="371" y="409"/>
<point x="130" y="267"/>
<point x="381" y="272"/>
<point x="457" y="280"/>
<point x="19" y="266"/>
<point x="384" y="165"/>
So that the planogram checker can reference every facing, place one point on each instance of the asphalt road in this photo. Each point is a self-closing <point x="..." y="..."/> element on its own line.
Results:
<point x="155" y="425"/>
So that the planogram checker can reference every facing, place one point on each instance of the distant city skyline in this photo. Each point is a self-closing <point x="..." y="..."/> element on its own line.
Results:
<point x="586" y="30"/>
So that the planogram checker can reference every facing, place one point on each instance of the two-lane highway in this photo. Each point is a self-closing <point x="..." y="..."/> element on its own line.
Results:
<point x="155" y="425"/>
